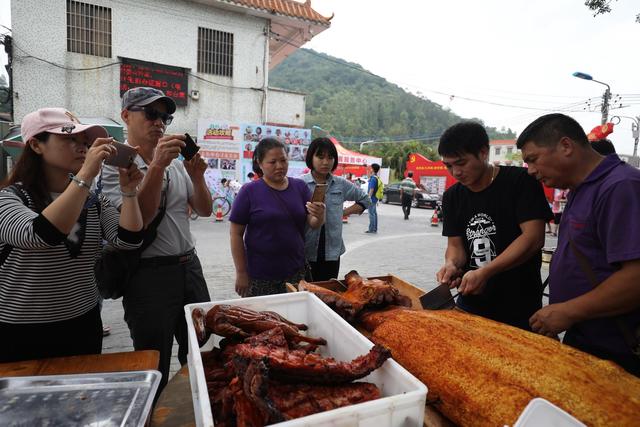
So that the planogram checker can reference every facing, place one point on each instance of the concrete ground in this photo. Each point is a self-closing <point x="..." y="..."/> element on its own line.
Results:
<point x="412" y="250"/>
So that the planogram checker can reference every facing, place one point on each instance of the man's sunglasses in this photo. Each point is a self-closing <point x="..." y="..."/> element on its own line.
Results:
<point x="153" y="114"/>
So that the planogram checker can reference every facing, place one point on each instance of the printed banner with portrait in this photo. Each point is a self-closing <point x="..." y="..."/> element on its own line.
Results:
<point x="220" y="147"/>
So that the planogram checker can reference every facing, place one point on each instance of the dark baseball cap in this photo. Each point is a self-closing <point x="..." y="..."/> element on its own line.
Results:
<point x="146" y="95"/>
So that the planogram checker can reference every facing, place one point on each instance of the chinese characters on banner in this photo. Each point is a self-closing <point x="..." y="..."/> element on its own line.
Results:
<point x="220" y="147"/>
<point x="171" y="80"/>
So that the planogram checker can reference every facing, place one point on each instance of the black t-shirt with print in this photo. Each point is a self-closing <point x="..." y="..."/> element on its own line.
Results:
<point x="488" y="222"/>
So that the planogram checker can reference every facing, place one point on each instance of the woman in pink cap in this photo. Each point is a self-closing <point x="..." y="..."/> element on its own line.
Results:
<point x="51" y="229"/>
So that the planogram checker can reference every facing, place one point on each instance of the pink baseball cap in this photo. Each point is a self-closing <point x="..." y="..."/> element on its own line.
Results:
<point x="60" y="122"/>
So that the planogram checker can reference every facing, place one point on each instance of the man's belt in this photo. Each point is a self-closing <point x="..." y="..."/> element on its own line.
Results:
<point x="158" y="261"/>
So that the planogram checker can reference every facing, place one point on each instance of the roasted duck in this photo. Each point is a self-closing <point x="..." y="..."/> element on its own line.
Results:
<point x="361" y="294"/>
<point x="483" y="373"/>
<point x="299" y="366"/>
<point x="255" y="379"/>
<point x="239" y="322"/>
<point x="276" y="402"/>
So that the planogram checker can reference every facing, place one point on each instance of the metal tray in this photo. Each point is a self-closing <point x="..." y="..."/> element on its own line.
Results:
<point x="102" y="399"/>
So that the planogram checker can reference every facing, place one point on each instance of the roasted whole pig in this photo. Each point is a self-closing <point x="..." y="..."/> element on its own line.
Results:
<point x="239" y="322"/>
<point x="361" y="294"/>
<point x="484" y="373"/>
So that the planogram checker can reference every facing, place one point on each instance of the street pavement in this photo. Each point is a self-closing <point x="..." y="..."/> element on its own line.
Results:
<point x="410" y="249"/>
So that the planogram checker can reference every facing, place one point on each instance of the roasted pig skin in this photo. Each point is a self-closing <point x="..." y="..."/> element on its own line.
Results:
<point x="484" y="373"/>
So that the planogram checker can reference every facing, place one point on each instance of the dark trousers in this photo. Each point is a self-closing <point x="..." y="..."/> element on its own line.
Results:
<point x="154" y="308"/>
<point x="77" y="336"/>
<point x="629" y="363"/>
<point x="406" y="205"/>
<point x="324" y="270"/>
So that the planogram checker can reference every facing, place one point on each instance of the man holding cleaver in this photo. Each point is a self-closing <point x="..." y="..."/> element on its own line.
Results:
<point x="494" y="219"/>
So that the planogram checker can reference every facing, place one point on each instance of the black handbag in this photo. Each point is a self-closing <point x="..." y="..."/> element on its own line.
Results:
<point x="114" y="268"/>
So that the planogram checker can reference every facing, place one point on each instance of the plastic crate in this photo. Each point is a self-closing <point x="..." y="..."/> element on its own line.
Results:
<point x="403" y="396"/>
<point x="541" y="412"/>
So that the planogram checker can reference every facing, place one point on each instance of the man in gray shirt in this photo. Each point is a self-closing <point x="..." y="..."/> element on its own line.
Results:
<point x="407" y="193"/>
<point x="169" y="275"/>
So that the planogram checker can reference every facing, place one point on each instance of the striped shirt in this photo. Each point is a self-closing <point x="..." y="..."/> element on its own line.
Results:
<point x="39" y="281"/>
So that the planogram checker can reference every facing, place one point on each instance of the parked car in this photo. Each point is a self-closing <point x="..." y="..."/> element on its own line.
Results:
<point x="423" y="199"/>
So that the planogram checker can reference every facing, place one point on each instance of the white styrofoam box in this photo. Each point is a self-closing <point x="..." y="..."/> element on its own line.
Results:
<point x="403" y="396"/>
<point x="541" y="412"/>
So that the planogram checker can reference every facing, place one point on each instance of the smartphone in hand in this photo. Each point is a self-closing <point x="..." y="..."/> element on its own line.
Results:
<point x="190" y="149"/>
<point x="319" y="193"/>
<point x="124" y="156"/>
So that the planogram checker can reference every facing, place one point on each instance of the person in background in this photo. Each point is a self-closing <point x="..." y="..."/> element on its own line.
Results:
<point x="268" y="222"/>
<point x="374" y="181"/>
<point x="51" y="229"/>
<point x="494" y="222"/>
<point x="603" y="146"/>
<point x="408" y="190"/>
<point x="169" y="274"/>
<point x="594" y="277"/>
<point x="557" y="207"/>
<point x="324" y="246"/>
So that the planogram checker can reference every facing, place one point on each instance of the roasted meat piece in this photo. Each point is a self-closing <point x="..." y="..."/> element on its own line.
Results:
<point x="239" y="322"/>
<point x="300" y="400"/>
<point x="361" y="293"/>
<point x="278" y="402"/>
<point x="299" y="366"/>
<point x="483" y="373"/>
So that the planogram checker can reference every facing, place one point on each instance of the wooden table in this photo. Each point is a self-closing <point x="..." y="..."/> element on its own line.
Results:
<point x="175" y="405"/>
<point x="111" y="362"/>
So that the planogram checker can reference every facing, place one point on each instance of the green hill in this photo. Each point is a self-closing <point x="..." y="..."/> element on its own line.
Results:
<point x="355" y="105"/>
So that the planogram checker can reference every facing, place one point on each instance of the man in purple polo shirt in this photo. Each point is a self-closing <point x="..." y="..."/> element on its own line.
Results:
<point x="595" y="273"/>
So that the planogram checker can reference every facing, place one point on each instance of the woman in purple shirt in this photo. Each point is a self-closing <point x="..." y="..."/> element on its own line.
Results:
<point x="268" y="220"/>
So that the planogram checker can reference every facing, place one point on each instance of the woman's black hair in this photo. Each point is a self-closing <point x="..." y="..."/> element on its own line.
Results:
<point x="29" y="171"/>
<point x="319" y="146"/>
<point x="261" y="150"/>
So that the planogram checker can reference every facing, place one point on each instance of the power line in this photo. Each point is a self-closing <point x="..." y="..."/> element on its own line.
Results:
<point x="278" y="37"/>
<point x="28" y="55"/>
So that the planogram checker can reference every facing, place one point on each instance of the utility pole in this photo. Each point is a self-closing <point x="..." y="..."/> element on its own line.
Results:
<point x="635" y="131"/>
<point x="605" y="98"/>
<point x="605" y="104"/>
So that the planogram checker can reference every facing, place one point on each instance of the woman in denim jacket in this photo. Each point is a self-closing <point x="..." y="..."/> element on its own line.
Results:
<point x="324" y="246"/>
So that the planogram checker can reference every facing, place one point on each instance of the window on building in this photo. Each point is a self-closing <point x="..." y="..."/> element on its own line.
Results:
<point x="215" y="52"/>
<point x="497" y="151"/>
<point x="88" y="29"/>
<point x="509" y="150"/>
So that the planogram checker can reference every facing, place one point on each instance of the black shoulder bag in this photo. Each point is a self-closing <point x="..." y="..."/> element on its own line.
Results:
<point x="114" y="268"/>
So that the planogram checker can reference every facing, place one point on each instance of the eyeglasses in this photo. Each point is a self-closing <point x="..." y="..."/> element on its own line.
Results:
<point x="153" y="114"/>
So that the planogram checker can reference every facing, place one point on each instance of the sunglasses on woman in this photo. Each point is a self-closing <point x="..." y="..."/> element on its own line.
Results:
<point x="152" y="114"/>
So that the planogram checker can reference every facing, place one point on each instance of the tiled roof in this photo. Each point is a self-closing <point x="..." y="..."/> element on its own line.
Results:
<point x="290" y="8"/>
<point x="503" y="142"/>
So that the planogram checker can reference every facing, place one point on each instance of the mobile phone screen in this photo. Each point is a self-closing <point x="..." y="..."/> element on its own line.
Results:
<point x="319" y="193"/>
<point x="190" y="149"/>
<point x="124" y="156"/>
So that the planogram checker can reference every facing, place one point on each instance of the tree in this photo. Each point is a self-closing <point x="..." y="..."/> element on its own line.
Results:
<point x="602" y="6"/>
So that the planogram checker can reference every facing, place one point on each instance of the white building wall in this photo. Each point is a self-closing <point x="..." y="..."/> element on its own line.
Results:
<point x="504" y="156"/>
<point x="161" y="31"/>
<point x="286" y="107"/>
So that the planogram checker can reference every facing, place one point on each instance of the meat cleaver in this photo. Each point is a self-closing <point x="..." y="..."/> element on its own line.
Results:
<point x="439" y="298"/>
